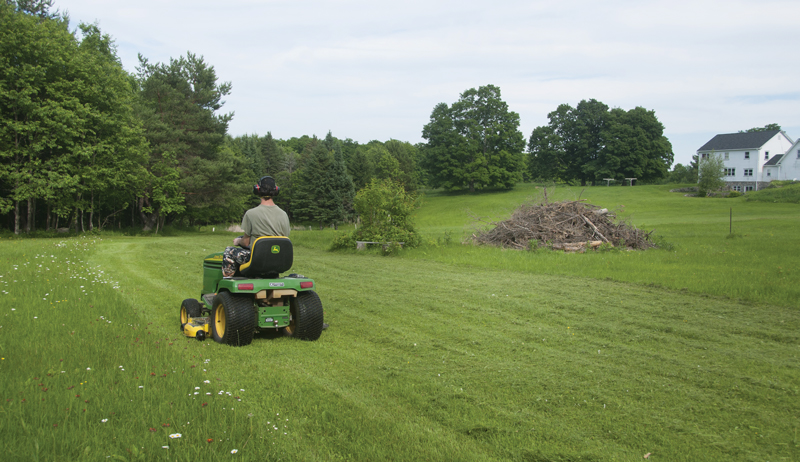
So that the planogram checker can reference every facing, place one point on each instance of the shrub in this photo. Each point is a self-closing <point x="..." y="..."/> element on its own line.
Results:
<point x="385" y="210"/>
<point x="711" y="173"/>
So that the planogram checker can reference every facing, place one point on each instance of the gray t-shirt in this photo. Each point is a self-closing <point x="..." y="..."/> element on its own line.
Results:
<point x="265" y="220"/>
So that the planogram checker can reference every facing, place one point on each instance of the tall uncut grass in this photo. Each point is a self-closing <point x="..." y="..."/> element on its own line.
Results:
<point x="89" y="372"/>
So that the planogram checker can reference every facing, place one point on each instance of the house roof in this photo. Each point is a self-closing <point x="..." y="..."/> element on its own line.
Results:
<point x="751" y="140"/>
<point x="774" y="161"/>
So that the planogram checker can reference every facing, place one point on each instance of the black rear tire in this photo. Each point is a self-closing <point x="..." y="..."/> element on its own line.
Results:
<point x="190" y="308"/>
<point x="233" y="319"/>
<point x="307" y="316"/>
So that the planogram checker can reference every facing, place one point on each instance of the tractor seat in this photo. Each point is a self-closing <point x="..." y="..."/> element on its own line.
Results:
<point x="269" y="256"/>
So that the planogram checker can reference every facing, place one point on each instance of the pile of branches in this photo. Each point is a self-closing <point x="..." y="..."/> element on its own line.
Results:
<point x="572" y="226"/>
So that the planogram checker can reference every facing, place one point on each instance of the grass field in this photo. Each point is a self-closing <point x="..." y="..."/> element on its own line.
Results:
<point x="443" y="353"/>
<point x="757" y="263"/>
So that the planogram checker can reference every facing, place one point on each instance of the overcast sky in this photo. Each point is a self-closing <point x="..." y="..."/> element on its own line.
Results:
<point x="374" y="70"/>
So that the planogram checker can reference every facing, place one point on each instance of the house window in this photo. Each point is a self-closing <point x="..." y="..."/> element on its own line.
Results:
<point x="798" y="153"/>
<point x="730" y="172"/>
<point x="727" y="156"/>
<point x="766" y="155"/>
<point x="748" y="188"/>
<point x="748" y="172"/>
<point x="769" y="173"/>
<point x="704" y="155"/>
<point x="737" y="188"/>
<point x="746" y="155"/>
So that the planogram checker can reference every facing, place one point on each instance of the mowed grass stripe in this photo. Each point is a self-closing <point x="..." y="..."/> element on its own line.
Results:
<point x="496" y="371"/>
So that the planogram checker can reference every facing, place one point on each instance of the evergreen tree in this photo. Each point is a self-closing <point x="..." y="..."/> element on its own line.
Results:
<point x="343" y="185"/>
<point x="349" y="148"/>
<point x="315" y="197"/>
<point x="360" y="167"/>
<point x="178" y="106"/>
<point x="272" y="155"/>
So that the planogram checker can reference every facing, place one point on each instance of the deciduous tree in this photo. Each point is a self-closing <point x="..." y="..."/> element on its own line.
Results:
<point x="765" y="128"/>
<point x="67" y="132"/>
<point x="385" y="209"/>
<point x="475" y="143"/>
<point x="590" y="142"/>
<point x="711" y="174"/>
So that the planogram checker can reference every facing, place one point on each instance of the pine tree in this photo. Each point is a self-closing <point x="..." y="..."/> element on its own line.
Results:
<point x="315" y="197"/>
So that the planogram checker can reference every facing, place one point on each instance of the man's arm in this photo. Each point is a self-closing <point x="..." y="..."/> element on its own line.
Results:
<point x="243" y="241"/>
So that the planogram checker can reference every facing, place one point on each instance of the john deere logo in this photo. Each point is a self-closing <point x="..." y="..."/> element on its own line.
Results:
<point x="276" y="249"/>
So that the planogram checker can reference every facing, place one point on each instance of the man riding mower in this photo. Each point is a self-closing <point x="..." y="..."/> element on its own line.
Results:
<point x="253" y="297"/>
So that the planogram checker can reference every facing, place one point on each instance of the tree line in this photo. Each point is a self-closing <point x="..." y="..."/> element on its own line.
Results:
<point x="319" y="177"/>
<point x="87" y="145"/>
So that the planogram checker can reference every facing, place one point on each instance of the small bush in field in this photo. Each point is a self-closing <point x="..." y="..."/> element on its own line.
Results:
<point x="711" y="173"/>
<point x="385" y="210"/>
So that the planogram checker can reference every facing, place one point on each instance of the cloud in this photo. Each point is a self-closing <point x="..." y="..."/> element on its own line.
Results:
<point x="374" y="70"/>
<point x="764" y="99"/>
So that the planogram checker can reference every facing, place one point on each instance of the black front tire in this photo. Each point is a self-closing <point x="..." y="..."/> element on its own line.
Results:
<point x="190" y="308"/>
<point x="307" y="316"/>
<point x="233" y="319"/>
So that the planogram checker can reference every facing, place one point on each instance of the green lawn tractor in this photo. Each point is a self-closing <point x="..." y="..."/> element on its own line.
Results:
<point x="255" y="299"/>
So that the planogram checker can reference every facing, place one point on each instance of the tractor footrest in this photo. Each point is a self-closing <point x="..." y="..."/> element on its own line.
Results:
<point x="209" y="299"/>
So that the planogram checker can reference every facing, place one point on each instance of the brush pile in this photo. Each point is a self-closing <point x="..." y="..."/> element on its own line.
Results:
<point x="572" y="226"/>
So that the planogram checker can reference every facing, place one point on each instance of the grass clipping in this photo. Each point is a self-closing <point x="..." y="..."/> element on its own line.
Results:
<point x="571" y="226"/>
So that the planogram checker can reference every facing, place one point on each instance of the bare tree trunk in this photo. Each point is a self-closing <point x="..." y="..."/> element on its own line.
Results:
<point x="74" y="224"/>
<point x="47" y="220"/>
<point x="16" y="217"/>
<point x="91" y="213"/>
<point x="30" y="215"/>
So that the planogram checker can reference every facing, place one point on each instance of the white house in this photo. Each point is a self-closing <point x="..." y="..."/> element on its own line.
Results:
<point x="752" y="159"/>
<point x="786" y="166"/>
